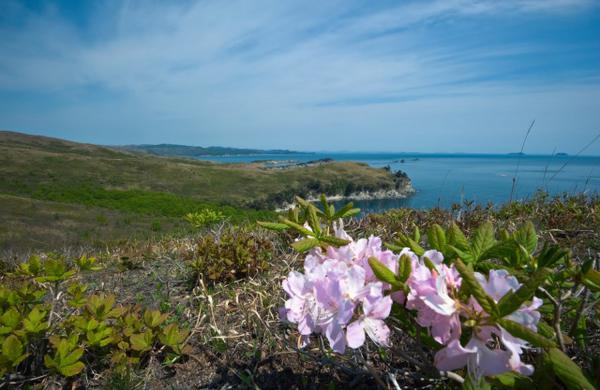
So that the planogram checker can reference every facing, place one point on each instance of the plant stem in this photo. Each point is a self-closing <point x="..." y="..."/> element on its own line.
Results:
<point x="556" y="319"/>
<point x="579" y="312"/>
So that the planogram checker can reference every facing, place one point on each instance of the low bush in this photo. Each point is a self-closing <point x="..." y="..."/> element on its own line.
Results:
<point x="230" y="254"/>
<point x="203" y="218"/>
<point x="53" y="325"/>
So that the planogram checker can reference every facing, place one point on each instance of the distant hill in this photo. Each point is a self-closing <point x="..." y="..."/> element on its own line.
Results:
<point x="199" y="151"/>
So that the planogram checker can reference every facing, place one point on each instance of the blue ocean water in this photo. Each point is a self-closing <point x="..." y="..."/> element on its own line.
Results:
<point x="444" y="179"/>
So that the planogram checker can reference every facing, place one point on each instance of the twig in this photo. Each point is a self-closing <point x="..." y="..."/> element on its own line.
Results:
<point x="394" y="381"/>
<point x="556" y="319"/>
<point x="576" y="155"/>
<point x="452" y="375"/>
<point x="22" y="381"/>
<point x="514" y="180"/>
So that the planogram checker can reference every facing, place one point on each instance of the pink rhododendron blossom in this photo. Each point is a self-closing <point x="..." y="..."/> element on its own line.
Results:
<point x="431" y="294"/>
<point x="478" y="355"/>
<point x="338" y="288"/>
<point x="376" y="309"/>
<point x="339" y="296"/>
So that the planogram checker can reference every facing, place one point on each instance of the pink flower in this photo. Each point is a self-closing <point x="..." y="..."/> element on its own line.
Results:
<point x="429" y="295"/>
<point x="483" y="359"/>
<point x="492" y="350"/>
<point x="376" y="309"/>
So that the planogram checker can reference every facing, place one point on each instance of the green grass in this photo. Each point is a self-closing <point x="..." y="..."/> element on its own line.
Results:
<point x="30" y="224"/>
<point x="143" y="202"/>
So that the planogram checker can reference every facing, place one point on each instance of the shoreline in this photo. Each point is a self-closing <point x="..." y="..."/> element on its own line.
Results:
<point x="362" y="195"/>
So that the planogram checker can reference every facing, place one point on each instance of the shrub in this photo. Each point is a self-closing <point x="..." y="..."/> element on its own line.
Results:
<point x="204" y="217"/>
<point x="50" y="324"/>
<point x="231" y="254"/>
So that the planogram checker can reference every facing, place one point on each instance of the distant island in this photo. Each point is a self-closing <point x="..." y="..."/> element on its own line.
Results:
<point x="171" y="150"/>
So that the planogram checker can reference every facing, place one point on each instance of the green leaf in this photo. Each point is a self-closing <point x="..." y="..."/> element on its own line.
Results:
<point x="72" y="369"/>
<point x="72" y="357"/>
<point x="31" y="268"/>
<point x="592" y="280"/>
<point x="66" y="359"/>
<point x="405" y="241"/>
<point x="174" y="338"/>
<point x="341" y="213"/>
<point x="141" y="341"/>
<point x="335" y="241"/>
<point x="327" y="211"/>
<point x="384" y="274"/>
<point x="293" y="214"/>
<point x="550" y="255"/>
<point x="437" y="238"/>
<point x="546" y="330"/>
<point x="298" y="227"/>
<point x="154" y="318"/>
<point x="313" y="220"/>
<point x="12" y="348"/>
<point x="567" y="371"/>
<point x="87" y="264"/>
<point x="393" y="247"/>
<point x="520" y="331"/>
<point x="429" y="264"/>
<point x="464" y="255"/>
<point x="474" y="288"/>
<point x="11" y="318"/>
<point x="351" y="213"/>
<point x="456" y="237"/>
<point x="527" y="237"/>
<point x="172" y="335"/>
<point x="512" y="380"/>
<point x="482" y="240"/>
<point x="416" y="233"/>
<point x="513" y="300"/>
<point x="503" y="250"/>
<point x="305" y="244"/>
<point x="302" y="202"/>
<point x="404" y="268"/>
<point x="273" y="226"/>
<point x="35" y="321"/>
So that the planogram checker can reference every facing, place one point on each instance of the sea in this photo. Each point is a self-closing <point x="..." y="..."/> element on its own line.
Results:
<point x="441" y="180"/>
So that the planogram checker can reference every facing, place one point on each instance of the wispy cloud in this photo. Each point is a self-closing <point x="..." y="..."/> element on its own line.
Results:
<point x="275" y="73"/>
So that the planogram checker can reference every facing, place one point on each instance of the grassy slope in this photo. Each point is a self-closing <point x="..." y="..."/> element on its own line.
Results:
<point x="31" y="224"/>
<point x="28" y="163"/>
<point x="55" y="192"/>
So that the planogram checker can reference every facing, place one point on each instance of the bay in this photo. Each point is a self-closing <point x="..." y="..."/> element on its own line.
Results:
<point x="441" y="180"/>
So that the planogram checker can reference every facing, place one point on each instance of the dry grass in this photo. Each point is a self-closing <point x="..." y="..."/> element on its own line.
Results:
<point x="237" y="338"/>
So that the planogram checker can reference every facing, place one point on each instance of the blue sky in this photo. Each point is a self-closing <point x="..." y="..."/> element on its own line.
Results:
<point x="424" y="76"/>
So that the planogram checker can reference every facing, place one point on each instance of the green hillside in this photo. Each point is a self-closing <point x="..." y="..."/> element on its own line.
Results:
<point x="114" y="184"/>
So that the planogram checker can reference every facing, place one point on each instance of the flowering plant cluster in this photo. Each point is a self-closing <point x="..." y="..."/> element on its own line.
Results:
<point x="462" y="293"/>
<point x="340" y="296"/>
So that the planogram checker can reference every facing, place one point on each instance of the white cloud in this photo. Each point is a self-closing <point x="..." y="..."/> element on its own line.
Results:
<point x="231" y="71"/>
